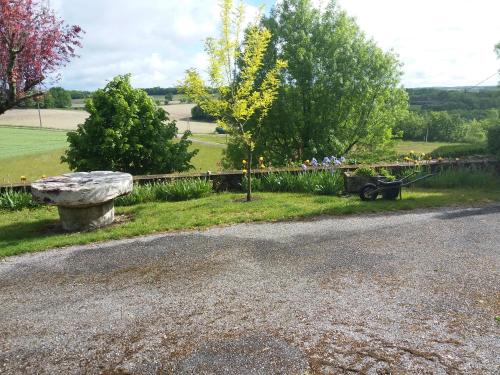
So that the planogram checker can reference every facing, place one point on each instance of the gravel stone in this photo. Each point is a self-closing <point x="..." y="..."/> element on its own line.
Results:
<point x="405" y="293"/>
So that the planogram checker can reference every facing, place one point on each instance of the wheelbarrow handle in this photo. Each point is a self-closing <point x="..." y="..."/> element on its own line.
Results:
<point x="410" y="175"/>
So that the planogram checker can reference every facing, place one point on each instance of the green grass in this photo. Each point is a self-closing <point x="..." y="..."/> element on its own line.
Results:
<point x="213" y="138"/>
<point x="208" y="157"/>
<point x="33" y="167"/>
<point x="34" y="230"/>
<point x="405" y="147"/>
<point x="34" y="153"/>
<point x="16" y="142"/>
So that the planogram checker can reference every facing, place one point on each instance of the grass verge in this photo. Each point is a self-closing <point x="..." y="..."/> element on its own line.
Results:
<point x="36" y="229"/>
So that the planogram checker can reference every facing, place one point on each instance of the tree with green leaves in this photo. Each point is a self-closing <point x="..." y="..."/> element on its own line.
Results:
<point x="237" y="93"/>
<point x="126" y="131"/>
<point x="340" y="92"/>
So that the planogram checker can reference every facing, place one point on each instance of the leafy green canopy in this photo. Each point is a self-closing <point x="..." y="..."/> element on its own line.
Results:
<point x="339" y="92"/>
<point x="127" y="132"/>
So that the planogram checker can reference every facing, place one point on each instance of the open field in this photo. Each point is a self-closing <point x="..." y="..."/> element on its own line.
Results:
<point x="33" y="152"/>
<point x="16" y="142"/>
<point x="69" y="119"/>
<point x="405" y="147"/>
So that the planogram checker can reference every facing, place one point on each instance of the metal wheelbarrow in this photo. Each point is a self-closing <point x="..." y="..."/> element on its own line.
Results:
<point x="388" y="189"/>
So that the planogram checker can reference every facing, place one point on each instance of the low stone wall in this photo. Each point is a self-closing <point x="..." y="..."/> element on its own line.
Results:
<point x="231" y="180"/>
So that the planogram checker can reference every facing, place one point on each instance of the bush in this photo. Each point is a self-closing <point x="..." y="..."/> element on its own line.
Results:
<point x="469" y="178"/>
<point x="321" y="182"/>
<point x="199" y="114"/>
<point x="494" y="140"/>
<point x="16" y="200"/>
<point x="180" y="190"/>
<point x="365" y="172"/>
<point x="127" y="132"/>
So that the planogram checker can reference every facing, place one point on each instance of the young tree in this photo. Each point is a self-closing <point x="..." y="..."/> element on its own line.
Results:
<point x="127" y="132"/>
<point x="34" y="43"/>
<point x="241" y="94"/>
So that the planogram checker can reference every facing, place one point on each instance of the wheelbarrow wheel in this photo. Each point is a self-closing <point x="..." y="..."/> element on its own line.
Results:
<point x="368" y="192"/>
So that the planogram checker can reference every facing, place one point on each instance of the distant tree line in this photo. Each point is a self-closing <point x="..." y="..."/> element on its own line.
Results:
<point x="56" y="97"/>
<point x="161" y="91"/>
<point x="450" y="115"/>
<point x="434" y="99"/>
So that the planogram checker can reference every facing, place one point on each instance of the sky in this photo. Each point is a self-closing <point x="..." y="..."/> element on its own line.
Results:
<point x="440" y="42"/>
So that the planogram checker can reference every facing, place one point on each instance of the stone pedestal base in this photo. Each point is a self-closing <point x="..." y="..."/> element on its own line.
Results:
<point x="87" y="218"/>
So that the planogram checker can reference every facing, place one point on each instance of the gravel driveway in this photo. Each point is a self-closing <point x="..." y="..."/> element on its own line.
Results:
<point x="400" y="293"/>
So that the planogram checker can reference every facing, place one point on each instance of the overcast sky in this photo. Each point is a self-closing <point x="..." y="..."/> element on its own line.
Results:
<point x="440" y="42"/>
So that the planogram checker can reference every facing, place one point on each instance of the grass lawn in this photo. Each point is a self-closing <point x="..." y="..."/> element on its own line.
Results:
<point x="33" y="167"/>
<point x="35" y="230"/>
<point x="15" y="142"/>
<point x="404" y="147"/>
<point x="32" y="153"/>
<point x="213" y="138"/>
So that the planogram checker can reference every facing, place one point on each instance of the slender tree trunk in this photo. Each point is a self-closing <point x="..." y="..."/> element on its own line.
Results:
<point x="249" y="176"/>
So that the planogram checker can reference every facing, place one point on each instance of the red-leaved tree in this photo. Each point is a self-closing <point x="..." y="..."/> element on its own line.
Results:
<point x="34" y="43"/>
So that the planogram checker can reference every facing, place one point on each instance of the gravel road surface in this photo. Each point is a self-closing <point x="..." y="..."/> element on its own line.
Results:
<point x="384" y="294"/>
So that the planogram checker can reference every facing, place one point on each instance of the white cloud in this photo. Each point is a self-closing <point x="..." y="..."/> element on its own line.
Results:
<point x="441" y="42"/>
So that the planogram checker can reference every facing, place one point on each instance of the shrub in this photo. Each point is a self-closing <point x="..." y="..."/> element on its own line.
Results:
<point x="127" y="132"/>
<point x="494" y="140"/>
<point x="16" y="200"/>
<point x="175" y="191"/>
<point x="320" y="182"/>
<point x="387" y="174"/>
<point x="365" y="172"/>
<point x="199" y="114"/>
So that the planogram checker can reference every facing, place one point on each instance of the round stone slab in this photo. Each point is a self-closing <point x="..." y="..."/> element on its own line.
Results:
<point x="82" y="189"/>
<point x="85" y="200"/>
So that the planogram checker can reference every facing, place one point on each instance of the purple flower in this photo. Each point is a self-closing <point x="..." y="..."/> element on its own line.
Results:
<point x="314" y="162"/>
<point x="304" y="167"/>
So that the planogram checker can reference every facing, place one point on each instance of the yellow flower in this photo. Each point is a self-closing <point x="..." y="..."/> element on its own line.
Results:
<point x="244" y="161"/>
<point x="262" y="166"/>
<point x="412" y="152"/>
<point x="43" y="176"/>
<point x="440" y="158"/>
<point x="307" y="162"/>
<point x="244" y="171"/>
<point x="261" y="158"/>
<point x="23" y="178"/>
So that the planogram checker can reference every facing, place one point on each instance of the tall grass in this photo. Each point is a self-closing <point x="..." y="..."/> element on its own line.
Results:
<point x="470" y="178"/>
<point x="16" y="200"/>
<point x="320" y="182"/>
<point x="180" y="190"/>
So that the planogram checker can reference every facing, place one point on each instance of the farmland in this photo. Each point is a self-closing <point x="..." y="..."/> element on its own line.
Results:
<point x="33" y="152"/>
<point x="69" y="119"/>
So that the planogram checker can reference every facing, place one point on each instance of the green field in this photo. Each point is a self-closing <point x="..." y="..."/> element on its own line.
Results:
<point x="33" y="153"/>
<point x="405" y="147"/>
<point x="16" y="142"/>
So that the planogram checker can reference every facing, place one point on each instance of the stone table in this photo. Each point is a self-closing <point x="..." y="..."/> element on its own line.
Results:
<point x="85" y="200"/>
